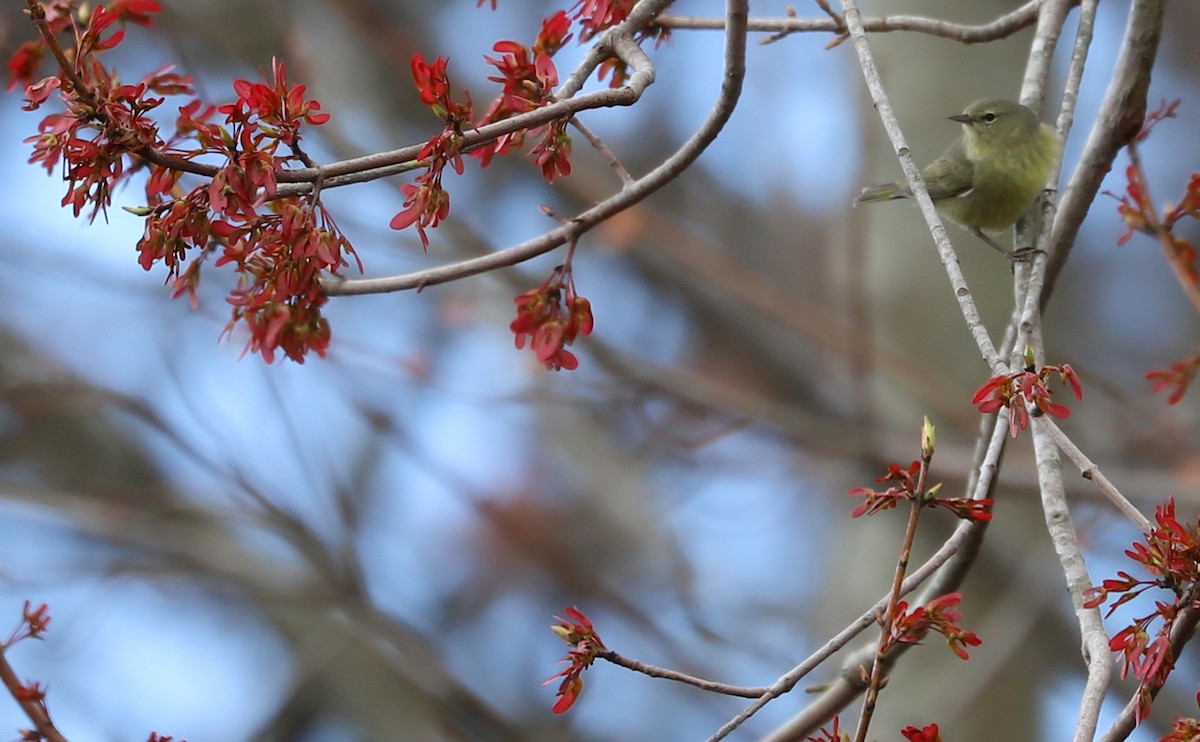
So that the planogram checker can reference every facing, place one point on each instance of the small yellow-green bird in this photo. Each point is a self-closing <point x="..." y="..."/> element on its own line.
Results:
<point x="991" y="175"/>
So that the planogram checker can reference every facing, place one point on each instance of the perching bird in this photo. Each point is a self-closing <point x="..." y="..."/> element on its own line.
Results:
<point x="991" y="175"/>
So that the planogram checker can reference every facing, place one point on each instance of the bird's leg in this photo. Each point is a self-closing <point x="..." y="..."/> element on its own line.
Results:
<point x="1024" y="253"/>
<point x="979" y="233"/>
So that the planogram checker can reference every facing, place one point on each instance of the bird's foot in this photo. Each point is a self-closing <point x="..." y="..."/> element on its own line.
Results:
<point x="1023" y="255"/>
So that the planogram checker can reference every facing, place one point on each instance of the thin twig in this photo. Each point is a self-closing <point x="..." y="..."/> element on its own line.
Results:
<point x="32" y="708"/>
<point x="1002" y="27"/>
<point x="667" y="674"/>
<point x="945" y="571"/>
<point x="599" y="145"/>
<point x="962" y="538"/>
<point x="889" y="615"/>
<point x="1092" y="473"/>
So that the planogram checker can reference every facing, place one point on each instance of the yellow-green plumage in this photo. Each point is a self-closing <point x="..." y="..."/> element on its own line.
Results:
<point x="992" y="174"/>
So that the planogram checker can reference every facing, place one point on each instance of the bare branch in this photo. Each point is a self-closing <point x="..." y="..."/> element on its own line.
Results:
<point x="1120" y="119"/>
<point x="1096" y="651"/>
<point x="1092" y="472"/>
<point x="666" y="674"/>
<point x="1004" y="26"/>
<point x="599" y="145"/>
<point x="1029" y="285"/>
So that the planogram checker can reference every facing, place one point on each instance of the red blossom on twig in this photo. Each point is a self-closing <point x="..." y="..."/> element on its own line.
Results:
<point x="280" y="246"/>
<point x="940" y="615"/>
<point x="34" y="622"/>
<point x="905" y="490"/>
<point x="1019" y="389"/>
<point x="599" y="15"/>
<point x="1183" y="730"/>
<point x="426" y="202"/>
<point x="550" y="318"/>
<point x="585" y="643"/>
<point x="930" y="733"/>
<point x="1171" y="554"/>
<point x="1177" y="378"/>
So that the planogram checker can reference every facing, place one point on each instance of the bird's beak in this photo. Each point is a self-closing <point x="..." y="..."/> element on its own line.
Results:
<point x="961" y="118"/>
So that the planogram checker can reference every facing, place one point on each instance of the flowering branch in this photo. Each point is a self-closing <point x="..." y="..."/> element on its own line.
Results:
<point x="948" y="564"/>
<point x="620" y="38"/>
<point x="31" y="697"/>
<point x="899" y="625"/>
<point x="1141" y="214"/>
<point x="1168" y="552"/>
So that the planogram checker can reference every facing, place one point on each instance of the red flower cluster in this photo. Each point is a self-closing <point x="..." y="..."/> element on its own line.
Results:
<point x="585" y="644"/>
<point x="553" y="153"/>
<point x="905" y="489"/>
<point x="1184" y="730"/>
<point x="280" y="246"/>
<point x="1171" y="554"/>
<point x="273" y="110"/>
<point x="433" y="85"/>
<point x="105" y="121"/>
<point x="930" y="733"/>
<point x="1137" y="212"/>
<point x="1178" y="378"/>
<point x="1133" y="204"/>
<point x="34" y="622"/>
<point x="426" y="202"/>
<point x="940" y="615"/>
<point x="599" y="15"/>
<point x="550" y="317"/>
<point x="1015" y="391"/>
<point x="528" y="77"/>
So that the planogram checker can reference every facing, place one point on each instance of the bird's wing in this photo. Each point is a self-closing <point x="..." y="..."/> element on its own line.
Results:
<point x="949" y="175"/>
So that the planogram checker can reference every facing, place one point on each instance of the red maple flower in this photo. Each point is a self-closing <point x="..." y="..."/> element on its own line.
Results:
<point x="1170" y="552"/>
<point x="1177" y="378"/>
<point x="940" y="615"/>
<point x="550" y="318"/>
<point x="1016" y="390"/>
<point x="585" y="644"/>
<point x="929" y="733"/>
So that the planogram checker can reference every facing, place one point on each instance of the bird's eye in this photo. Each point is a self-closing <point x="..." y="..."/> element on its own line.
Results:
<point x="989" y="117"/>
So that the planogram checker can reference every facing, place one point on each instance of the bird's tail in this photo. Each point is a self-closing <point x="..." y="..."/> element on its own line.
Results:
<point x="882" y="192"/>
